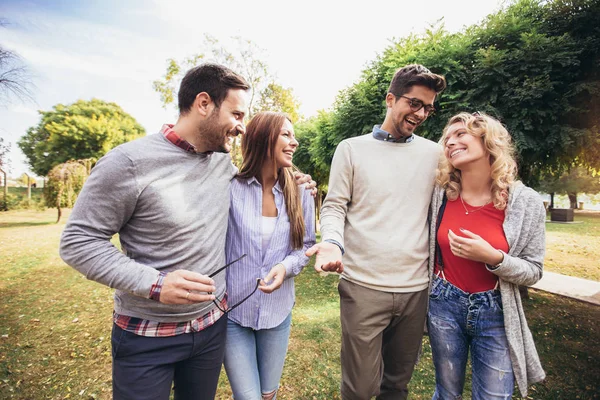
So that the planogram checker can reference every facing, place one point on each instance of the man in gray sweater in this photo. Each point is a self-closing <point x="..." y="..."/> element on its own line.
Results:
<point x="376" y="210"/>
<point x="167" y="195"/>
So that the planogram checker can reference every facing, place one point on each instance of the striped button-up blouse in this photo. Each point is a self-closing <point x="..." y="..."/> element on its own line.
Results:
<point x="244" y="236"/>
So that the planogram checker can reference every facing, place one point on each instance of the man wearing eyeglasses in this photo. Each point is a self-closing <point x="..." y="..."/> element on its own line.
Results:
<point x="375" y="214"/>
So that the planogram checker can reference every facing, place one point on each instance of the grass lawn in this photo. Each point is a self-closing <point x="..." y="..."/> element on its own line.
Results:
<point x="574" y="249"/>
<point x="55" y="325"/>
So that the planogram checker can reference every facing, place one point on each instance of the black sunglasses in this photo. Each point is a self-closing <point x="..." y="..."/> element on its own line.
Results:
<point x="217" y="303"/>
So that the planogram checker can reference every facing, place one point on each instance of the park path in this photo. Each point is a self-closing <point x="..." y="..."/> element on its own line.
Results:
<point x="569" y="286"/>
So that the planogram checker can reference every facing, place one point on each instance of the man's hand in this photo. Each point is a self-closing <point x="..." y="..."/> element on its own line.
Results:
<point x="329" y="257"/>
<point x="276" y="276"/>
<point x="306" y="178"/>
<point x="186" y="287"/>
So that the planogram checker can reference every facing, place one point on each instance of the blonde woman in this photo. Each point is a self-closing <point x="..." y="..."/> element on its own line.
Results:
<point x="488" y="237"/>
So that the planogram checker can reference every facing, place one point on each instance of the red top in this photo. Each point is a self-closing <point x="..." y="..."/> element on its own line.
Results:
<point x="470" y="276"/>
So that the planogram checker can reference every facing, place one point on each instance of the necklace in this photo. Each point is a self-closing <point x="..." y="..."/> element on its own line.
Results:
<point x="475" y="210"/>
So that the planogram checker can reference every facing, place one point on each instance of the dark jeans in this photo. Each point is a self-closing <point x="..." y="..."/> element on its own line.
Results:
<point x="146" y="367"/>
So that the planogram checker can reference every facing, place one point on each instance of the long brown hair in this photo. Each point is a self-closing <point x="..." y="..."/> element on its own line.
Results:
<point x="261" y="136"/>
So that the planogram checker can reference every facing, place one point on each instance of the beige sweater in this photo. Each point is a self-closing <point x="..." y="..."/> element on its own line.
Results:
<point x="376" y="208"/>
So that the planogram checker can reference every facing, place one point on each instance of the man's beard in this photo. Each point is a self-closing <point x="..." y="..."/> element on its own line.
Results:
<point x="212" y="135"/>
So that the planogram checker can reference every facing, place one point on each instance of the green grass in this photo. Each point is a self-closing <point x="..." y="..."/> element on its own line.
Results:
<point x="574" y="249"/>
<point x="55" y="329"/>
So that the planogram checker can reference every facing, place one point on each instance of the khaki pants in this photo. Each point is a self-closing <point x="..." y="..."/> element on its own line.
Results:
<point x="381" y="338"/>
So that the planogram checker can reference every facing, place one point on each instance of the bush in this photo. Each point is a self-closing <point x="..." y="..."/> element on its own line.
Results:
<point x="17" y="199"/>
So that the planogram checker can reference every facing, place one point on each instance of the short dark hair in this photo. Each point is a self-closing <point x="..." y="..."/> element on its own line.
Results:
<point x="415" y="75"/>
<point x="214" y="79"/>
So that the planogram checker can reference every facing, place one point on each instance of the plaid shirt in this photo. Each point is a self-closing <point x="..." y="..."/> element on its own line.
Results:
<point x="144" y="327"/>
<point x="173" y="137"/>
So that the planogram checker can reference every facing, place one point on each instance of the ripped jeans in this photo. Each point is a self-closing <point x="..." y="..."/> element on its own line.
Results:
<point x="459" y="321"/>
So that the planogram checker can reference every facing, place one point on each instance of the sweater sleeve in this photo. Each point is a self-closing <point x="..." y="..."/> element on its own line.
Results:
<point x="335" y="206"/>
<point x="295" y="261"/>
<point x="525" y="266"/>
<point x="105" y="204"/>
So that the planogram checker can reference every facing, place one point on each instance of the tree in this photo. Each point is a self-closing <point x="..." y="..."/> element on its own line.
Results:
<point x="14" y="76"/>
<point x="65" y="181"/>
<point x="246" y="59"/>
<point x="279" y="99"/>
<point x="577" y="180"/>
<point x="534" y="65"/>
<point x="84" y="129"/>
<point x="4" y="149"/>
<point x="24" y="180"/>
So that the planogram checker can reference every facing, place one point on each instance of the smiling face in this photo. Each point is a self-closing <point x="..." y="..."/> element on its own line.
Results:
<point x="218" y="131"/>
<point x="400" y="120"/>
<point x="285" y="146"/>
<point x="462" y="149"/>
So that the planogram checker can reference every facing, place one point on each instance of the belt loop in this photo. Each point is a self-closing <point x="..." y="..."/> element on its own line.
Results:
<point x="447" y="291"/>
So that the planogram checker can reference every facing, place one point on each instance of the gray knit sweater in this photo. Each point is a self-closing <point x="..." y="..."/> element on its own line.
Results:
<point x="524" y="227"/>
<point x="170" y="208"/>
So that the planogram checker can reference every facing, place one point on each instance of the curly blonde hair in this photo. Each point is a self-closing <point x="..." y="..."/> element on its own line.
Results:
<point x="498" y="144"/>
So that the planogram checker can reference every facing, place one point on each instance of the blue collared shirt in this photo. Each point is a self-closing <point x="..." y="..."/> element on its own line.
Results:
<point x="244" y="236"/>
<point x="380" y="134"/>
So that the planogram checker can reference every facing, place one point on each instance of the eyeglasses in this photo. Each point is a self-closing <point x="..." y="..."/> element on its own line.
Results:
<point x="229" y="309"/>
<point x="416" y="104"/>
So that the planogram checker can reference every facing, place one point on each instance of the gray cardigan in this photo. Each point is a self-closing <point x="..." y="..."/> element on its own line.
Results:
<point x="524" y="227"/>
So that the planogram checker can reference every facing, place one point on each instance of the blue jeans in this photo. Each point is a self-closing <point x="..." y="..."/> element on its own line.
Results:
<point x="254" y="359"/>
<point x="459" y="321"/>
<point x="145" y="368"/>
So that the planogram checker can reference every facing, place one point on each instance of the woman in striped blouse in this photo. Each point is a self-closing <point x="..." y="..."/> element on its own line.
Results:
<point x="271" y="221"/>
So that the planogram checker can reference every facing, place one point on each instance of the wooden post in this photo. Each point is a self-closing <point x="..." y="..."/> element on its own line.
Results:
<point x="28" y="186"/>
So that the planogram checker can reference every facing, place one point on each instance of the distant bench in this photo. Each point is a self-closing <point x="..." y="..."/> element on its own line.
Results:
<point x="561" y="214"/>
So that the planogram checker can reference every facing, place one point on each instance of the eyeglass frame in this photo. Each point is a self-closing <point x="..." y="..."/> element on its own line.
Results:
<point x="429" y="109"/>
<point x="229" y="309"/>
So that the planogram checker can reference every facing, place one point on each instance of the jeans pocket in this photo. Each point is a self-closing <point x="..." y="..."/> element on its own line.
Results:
<point x="117" y="339"/>
<point x="498" y="304"/>
<point x="342" y="288"/>
<point x="436" y="289"/>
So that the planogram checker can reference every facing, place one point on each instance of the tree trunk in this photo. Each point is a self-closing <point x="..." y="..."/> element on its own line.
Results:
<point x="572" y="200"/>
<point x="58" y="197"/>
<point x="551" y="201"/>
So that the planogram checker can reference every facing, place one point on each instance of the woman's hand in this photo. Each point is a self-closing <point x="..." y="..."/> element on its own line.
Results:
<point x="275" y="277"/>
<point x="474" y="247"/>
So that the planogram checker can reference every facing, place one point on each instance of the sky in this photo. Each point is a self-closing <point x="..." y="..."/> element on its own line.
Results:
<point x="114" y="49"/>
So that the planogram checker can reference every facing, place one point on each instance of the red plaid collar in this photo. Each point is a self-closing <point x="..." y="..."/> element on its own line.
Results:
<point x="173" y="137"/>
